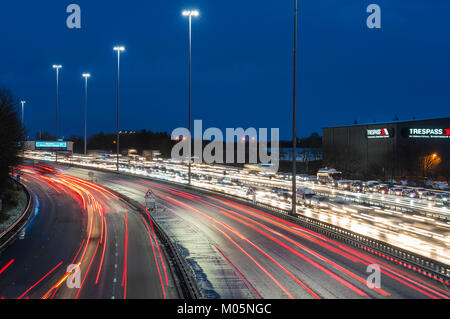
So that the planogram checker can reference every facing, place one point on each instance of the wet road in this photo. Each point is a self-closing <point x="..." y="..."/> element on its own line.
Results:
<point x="239" y="251"/>
<point x="75" y="222"/>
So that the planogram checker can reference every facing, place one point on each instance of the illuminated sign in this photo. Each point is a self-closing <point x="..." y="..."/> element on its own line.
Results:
<point x="379" y="133"/>
<point x="51" y="144"/>
<point x="429" y="133"/>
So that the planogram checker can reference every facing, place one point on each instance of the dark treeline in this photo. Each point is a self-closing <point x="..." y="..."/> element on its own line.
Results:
<point x="147" y="140"/>
<point x="313" y="141"/>
<point x="11" y="133"/>
<point x="141" y="140"/>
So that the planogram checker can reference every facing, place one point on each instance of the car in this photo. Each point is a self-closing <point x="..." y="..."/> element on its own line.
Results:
<point x="224" y="181"/>
<point x="311" y="179"/>
<point x="441" y="199"/>
<point x="445" y="198"/>
<point x="302" y="177"/>
<point x="406" y="191"/>
<point x="413" y="194"/>
<point x="304" y="196"/>
<point x="356" y="187"/>
<point x="397" y="191"/>
<point x="371" y="186"/>
<point x="420" y="191"/>
<point x="319" y="201"/>
<point x="429" y="196"/>
<point x="285" y="194"/>
<point x="344" y="185"/>
<point x="276" y="190"/>
<point x="440" y="186"/>
<point x="383" y="189"/>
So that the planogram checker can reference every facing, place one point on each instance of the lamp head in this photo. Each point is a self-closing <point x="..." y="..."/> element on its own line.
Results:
<point x="193" y="13"/>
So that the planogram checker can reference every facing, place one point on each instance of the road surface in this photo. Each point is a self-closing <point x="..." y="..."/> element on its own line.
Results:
<point x="252" y="254"/>
<point x="75" y="222"/>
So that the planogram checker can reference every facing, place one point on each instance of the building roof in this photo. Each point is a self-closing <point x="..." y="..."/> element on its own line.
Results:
<point x="391" y="122"/>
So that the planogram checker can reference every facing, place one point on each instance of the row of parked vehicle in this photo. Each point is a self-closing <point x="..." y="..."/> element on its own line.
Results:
<point x="391" y="189"/>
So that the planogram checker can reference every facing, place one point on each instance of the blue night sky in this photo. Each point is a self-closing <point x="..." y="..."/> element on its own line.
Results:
<point x="242" y="63"/>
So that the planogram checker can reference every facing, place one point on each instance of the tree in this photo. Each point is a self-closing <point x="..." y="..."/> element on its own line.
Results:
<point x="11" y="133"/>
<point x="78" y="144"/>
<point x="45" y="136"/>
<point x="142" y="140"/>
<point x="429" y="162"/>
<point x="445" y="171"/>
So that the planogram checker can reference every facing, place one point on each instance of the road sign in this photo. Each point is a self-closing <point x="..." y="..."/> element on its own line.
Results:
<point x="149" y="193"/>
<point x="250" y="191"/>
<point x="150" y="200"/>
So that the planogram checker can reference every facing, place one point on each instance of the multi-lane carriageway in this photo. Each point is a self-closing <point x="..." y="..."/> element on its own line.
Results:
<point x="234" y="250"/>
<point x="75" y="222"/>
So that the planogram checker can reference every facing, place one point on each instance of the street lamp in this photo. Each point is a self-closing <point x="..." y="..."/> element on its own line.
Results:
<point x="86" y="76"/>
<point x="190" y="14"/>
<point x="23" y="104"/>
<point x="118" y="49"/>
<point x="57" y="68"/>
<point x="294" y="119"/>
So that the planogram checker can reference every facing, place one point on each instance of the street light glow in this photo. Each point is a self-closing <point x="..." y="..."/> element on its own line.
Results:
<point x="56" y="66"/>
<point x="86" y="75"/>
<point x="193" y="13"/>
<point x="119" y="48"/>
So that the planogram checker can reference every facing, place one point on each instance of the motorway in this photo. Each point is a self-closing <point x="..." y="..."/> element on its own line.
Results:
<point x="236" y="251"/>
<point x="416" y="225"/>
<point x="75" y="222"/>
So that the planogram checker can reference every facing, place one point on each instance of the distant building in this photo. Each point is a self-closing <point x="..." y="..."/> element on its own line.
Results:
<point x="388" y="149"/>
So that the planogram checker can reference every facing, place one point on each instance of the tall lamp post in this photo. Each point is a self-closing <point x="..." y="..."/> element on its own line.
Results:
<point x="190" y="14"/>
<point x="118" y="49"/>
<point x="57" y="68"/>
<point x="23" y="110"/>
<point x="294" y="119"/>
<point x="86" y="76"/>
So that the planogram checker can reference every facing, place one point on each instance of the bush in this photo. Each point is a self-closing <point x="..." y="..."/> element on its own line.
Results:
<point x="10" y="198"/>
